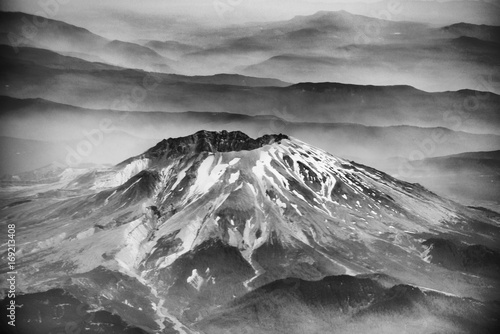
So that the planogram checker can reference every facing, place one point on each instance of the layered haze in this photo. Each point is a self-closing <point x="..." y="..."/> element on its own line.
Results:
<point x="241" y="166"/>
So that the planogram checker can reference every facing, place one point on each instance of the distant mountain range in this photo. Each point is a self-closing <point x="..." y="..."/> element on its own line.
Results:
<point x="65" y="38"/>
<point x="482" y="32"/>
<point x="93" y="85"/>
<point x="342" y="47"/>
<point x="38" y="118"/>
<point x="326" y="46"/>
<point x="472" y="178"/>
<point x="436" y="13"/>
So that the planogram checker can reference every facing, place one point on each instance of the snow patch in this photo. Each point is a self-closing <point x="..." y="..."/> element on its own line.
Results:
<point x="195" y="280"/>
<point x="263" y="164"/>
<point x="426" y="254"/>
<point x="180" y="176"/>
<point x="207" y="178"/>
<point x="280" y="203"/>
<point x="234" y="161"/>
<point x="107" y="198"/>
<point x="296" y="209"/>
<point x="234" y="177"/>
<point x="252" y="188"/>
<point x="131" y="185"/>
<point x="299" y="195"/>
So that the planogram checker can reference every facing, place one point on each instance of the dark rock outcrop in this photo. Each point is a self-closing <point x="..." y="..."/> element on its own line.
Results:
<point x="211" y="141"/>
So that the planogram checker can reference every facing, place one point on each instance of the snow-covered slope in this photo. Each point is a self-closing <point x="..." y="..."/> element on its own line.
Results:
<point x="206" y="218"/>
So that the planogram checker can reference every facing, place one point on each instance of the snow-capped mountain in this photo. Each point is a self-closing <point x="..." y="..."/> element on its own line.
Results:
<point x="201" y="221"/>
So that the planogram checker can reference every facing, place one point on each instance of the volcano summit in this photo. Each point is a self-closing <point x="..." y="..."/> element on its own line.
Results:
<point x="217" y="232"/>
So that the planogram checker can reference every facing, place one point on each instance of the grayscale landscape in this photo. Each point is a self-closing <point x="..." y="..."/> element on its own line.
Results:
<point x="237" y="166"/>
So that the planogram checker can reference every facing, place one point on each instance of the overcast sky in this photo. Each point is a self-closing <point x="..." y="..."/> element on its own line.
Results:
<point x="136" y="19"/>
<point x="241" y="9"/>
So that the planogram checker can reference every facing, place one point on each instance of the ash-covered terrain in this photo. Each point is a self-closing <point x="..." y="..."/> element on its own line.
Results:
<point x="217" y="232"/>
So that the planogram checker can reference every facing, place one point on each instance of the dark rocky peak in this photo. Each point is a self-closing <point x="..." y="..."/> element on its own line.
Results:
<point x="211" y="141"/>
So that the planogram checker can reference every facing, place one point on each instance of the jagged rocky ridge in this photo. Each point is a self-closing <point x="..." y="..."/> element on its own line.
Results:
<point x="208" y="141"/>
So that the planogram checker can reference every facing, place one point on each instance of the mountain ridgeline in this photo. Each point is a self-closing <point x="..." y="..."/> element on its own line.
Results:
<point x="213" y="142"/>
